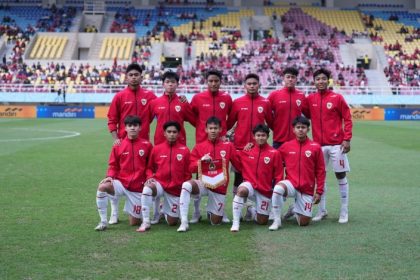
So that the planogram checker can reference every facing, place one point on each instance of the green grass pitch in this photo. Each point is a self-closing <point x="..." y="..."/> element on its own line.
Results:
<point x="48" y="214"/>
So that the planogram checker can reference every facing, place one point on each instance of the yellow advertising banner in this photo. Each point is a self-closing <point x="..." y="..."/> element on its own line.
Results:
<point x="374" y="114"/>
<point x="101" y="112"/>
<point x="18" y="111"/>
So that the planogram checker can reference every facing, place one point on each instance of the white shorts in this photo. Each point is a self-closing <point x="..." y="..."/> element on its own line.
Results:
<point x="132" y="204"/>
<point x="215" y="202"/>
<point x="263" y="203"/>
<point x="303" y="202"/>
<point x="338" y="159"/>
<point x="170" y="202"/>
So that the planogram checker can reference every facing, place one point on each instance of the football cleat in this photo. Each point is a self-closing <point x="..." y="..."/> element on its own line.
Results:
<point x="225" y="219"/>
<point x="290" y="212"/>
<point x="250" y="214"/>
<point x="113" y="220"/>
<point x="195" y="219"/>
<point x="275" y="225"/>
<point x="157" y="219"/>
<point x="183" y="227"/>
<point x="344" y="218"/>
<point x="143" y="227"/>
<point x="101" y="226"/>
<point x="320" y="216"/>
<point x="235" y="227"/>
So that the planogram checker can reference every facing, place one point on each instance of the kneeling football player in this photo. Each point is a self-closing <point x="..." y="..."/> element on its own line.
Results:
<point x="126" y="174"/>
<point x="167" y="169"/>
<point x="260" y="166"/>
<point x="305" y="176"/>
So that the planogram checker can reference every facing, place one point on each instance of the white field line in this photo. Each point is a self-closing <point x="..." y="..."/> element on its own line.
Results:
<point x="68" y="134"/>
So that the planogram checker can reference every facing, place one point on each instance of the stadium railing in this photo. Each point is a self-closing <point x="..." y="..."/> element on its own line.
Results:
<point x="193" y="89"/>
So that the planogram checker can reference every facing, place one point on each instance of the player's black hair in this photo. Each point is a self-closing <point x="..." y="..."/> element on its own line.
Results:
<point x="213" y="120"/>
<point x="252" y="76"/>
<point x="170" y="75"/>
<point x="291" y="70"/>
<point x="130" y="119"/>
<point x="214" y="72"/>
<point x="322" y="71"/>
<point x="302" y="120"/>
<point x="172" y="123"/>
<point x="261" y="128"/>
<point x="134" y="66"/>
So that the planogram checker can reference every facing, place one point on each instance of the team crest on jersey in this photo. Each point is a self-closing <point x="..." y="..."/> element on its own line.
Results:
<point x="143" y="101"/>
<point x="308" y="153"/>
<point x="260" y="109"/>
<point x="222" y="153"/>
<point x="177" y="108"/>
<point x="222" y="105"/>
<point x="179" y="157"/>
<point x="266" y="160"/>
<point x="141" y="153"/>
<point x="329" y="105"/>
<point x="298" y="102"/>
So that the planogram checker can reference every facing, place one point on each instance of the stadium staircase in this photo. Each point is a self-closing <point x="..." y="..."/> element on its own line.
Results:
<point x="107" y="23"/>
<point x="70" y="48"/>
<point x="381" y="56"/>
<point x="156" y="51"/>
<point x="377" y="78"/>
<point x="348" y="56"/>
<point x="77" y="22"/>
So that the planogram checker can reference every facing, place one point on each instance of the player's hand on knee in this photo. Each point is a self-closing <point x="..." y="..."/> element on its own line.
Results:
<point x="316" y="199"/>
<point x="345" y="146"/>
<point x="150" y="181"/>
<point x="106" y="180"/>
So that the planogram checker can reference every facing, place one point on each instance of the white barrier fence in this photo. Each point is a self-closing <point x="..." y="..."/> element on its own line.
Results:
<point x="20" y="93"/>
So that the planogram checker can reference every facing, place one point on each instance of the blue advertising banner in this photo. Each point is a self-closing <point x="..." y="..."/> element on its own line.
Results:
<point x="396" y="114"/>
<point x="67" y="112"/>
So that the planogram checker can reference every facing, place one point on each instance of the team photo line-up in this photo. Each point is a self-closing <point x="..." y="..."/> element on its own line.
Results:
<point x="228" y="134"/>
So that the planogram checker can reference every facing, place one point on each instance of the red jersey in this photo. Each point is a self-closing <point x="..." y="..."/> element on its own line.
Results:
<point x="286" y="105"/>
<point x="169" y="165"/>
<point x="129" y="102"/>
<point x="128" y="163"/>
<point x="206" y="105"/>
<point x="217" y="151"/>
<point x="260" y="166"/>
<point x="304" y="165"/>
<point x="165" y="109"/>
<point x="248" y="112"/>
<point x="328" y="111"/>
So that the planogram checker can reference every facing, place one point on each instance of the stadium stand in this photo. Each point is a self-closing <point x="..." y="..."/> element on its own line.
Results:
<point x="310" y="38"/>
